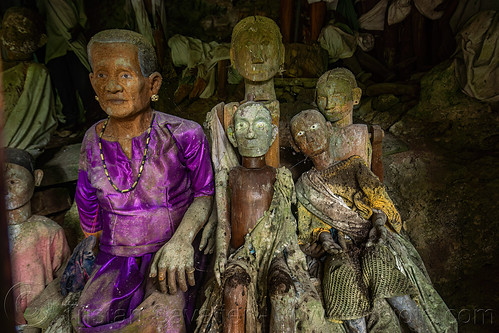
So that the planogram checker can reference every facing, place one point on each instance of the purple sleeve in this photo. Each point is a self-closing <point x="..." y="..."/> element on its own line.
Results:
<point x="88" y="204"/>
<point x="197" y="156"/>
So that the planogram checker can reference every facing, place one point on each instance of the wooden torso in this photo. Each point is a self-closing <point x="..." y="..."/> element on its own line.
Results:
<point x="351" y="140"/>
<point x="251" y="194"/>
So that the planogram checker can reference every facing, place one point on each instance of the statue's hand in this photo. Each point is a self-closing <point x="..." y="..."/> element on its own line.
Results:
<point x="208" y="236"/>
<point x="377" y="234"/>
<point x="314" y="250"/>
<point x="175" y="258"/>
<point x="328" y="243"/>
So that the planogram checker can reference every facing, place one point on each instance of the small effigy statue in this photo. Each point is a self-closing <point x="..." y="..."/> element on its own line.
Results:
<point x="258" y="257"/>
<point x="29" y="106"/>
<point x="343" y="206"/>
<point x="38" y="246"/>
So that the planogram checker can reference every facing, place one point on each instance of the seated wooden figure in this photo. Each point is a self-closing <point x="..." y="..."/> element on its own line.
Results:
<point x="345" y="207"/>
<point x="145" y="189"/>
<point x="38" y="246"/>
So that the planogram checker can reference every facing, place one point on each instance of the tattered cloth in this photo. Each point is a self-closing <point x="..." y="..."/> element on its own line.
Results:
<point x="273" y="234"/>
<point x="477" y="57"/>
<point x="320" y="208"/>
<point x="344" y="196"/>
<point x="355" y="278"/>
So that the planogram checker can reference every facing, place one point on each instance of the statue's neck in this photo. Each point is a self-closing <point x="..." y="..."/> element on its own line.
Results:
<point x="129" y="127"/>
<point x="253" y="162"/>
<point x="19" y="215"/>
<point x="260" y="90"/>
<point x="346" y="121"/>
<point x="323" y="160"/>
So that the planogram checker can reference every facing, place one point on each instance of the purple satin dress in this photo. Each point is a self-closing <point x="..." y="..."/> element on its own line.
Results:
<point x="138" y="223"/>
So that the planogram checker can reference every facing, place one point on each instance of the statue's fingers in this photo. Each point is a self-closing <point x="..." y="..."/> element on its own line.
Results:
<point x="211" y="246"/>
<point x="181" y="279"/>
<point x="153" y="270"/>
<point x="162" y="279"/>
<point x="190" y="276"/>
<point x="204" y="240"/>
<point x="217" y="276"/>
<point x="219" y="271"/>
<point x="172" y="281"/>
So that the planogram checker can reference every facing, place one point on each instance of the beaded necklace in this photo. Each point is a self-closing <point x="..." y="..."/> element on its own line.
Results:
<point x="141" y="163"/>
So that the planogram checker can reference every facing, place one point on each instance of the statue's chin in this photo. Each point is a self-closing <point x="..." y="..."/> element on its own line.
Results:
<point x="252" y="152"/>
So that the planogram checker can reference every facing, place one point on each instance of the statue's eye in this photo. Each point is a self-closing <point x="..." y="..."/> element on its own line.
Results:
<point x="300" y="133"/>
<point x="126" y="76"/>
<point x="314" y="126"/>
<point x="260" y="125"/>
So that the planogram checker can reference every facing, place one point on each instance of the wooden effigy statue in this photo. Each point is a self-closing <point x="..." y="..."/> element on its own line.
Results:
<point x="258" y="260"/>
<point x="144" y="190"/>
<point x="38" y="246"/>
<point x="343" y="206"/>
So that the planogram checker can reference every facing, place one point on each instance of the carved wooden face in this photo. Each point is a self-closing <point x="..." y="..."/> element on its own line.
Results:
<point x="257" y="54"/>
<point x="117" y="79"/>
<point x="253" y="131"/>
<point x="19" y="186"/>
<point x="310" y="132"/>
<point x="335" y="100"/>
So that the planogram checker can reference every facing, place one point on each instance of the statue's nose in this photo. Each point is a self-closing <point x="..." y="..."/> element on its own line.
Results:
<point x="113" y="86"/>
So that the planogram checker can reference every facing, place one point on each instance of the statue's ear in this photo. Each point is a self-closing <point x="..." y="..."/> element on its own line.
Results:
<point x="38" y="175"/>
<point x="231" y="135"/>
<point x="155" y="79"/>
<point x="356" y="94"/>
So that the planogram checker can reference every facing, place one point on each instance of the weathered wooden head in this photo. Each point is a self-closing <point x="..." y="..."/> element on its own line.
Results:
<point x="310" y="132"/>
<point x="257" y="51"/>
<point x="124" y="72"/>
<point x="336" y="93"/>
<point x="253" y="132"/>
<point x="20" y="177"/>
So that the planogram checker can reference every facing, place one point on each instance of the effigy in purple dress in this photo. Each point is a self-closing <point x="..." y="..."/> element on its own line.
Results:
<point x="138" y="223"/>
